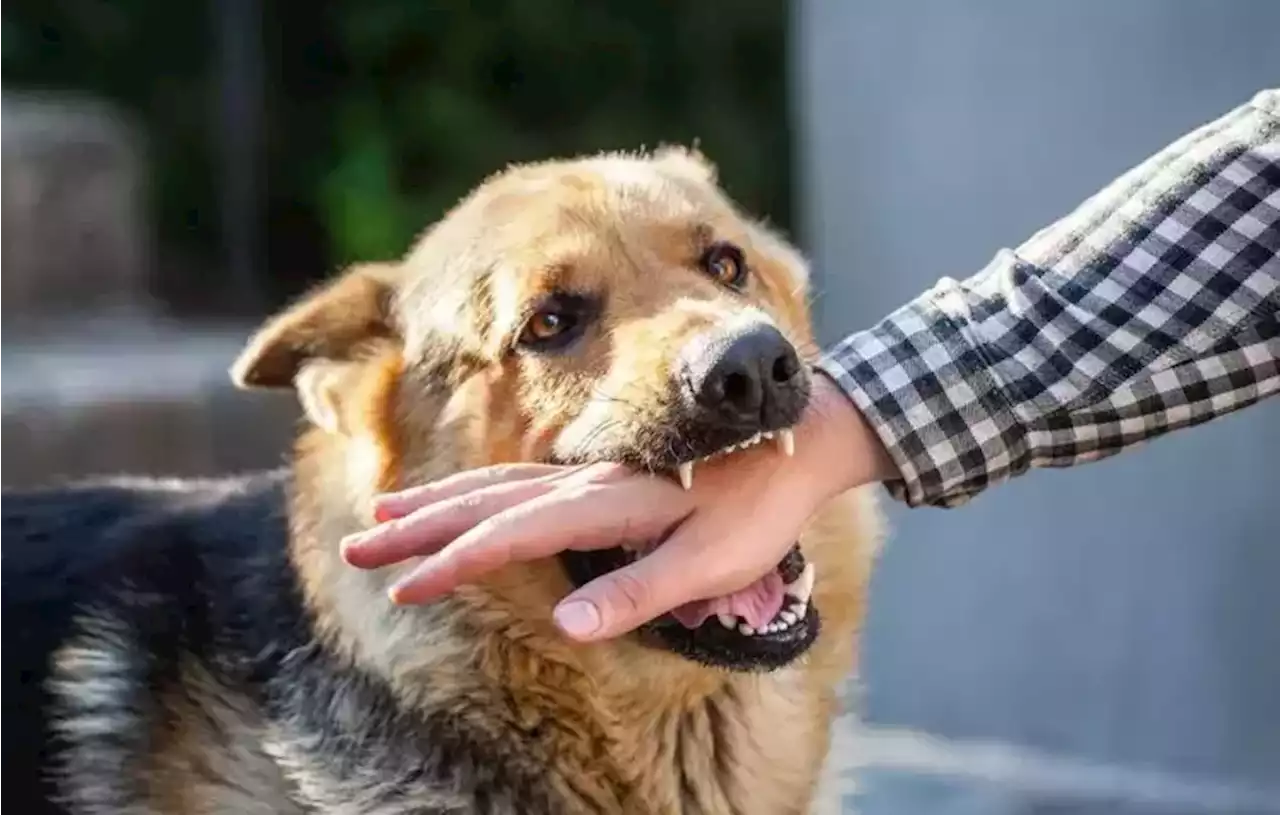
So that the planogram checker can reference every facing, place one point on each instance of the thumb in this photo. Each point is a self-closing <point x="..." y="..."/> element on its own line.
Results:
<point x="677" y="572"/>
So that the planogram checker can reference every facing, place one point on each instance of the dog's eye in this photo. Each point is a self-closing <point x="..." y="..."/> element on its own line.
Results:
<point x="546" y="325"/>
<point x="725" y="263"/>
<point x="558" y="321"/>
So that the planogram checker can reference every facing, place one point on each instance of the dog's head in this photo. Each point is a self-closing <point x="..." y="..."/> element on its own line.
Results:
<point x="617" y="308"/>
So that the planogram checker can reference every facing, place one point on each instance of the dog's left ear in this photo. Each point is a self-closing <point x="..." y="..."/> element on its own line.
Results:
<point x="311" y="345"/>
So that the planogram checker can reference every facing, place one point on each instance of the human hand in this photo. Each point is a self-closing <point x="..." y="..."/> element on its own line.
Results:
<point x="741" y="516"/>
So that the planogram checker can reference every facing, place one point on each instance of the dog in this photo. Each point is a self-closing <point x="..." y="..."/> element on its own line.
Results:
<point x="200" y="647"/>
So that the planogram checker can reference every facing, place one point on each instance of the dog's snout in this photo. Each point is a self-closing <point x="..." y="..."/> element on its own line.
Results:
<point x="747" y="378"/>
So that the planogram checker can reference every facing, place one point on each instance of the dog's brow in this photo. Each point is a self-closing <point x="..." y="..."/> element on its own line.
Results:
<point x="557" y="278"/>
<point x="553" y="276"/>
<point x="703" y="234"/>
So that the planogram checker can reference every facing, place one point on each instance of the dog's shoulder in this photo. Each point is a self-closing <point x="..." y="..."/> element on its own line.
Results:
<point x="121" y="570"/>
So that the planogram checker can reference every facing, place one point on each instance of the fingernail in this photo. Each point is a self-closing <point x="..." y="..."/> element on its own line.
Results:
<point x="578" y="618"/>
<point x="396" y="591"/>
<point x="382" y="513"/>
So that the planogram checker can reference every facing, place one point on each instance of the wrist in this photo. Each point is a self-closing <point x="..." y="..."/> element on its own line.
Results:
<point x="846" y="451"/>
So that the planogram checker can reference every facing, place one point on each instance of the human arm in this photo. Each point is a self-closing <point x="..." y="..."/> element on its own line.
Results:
<point x="1154" y="306"/>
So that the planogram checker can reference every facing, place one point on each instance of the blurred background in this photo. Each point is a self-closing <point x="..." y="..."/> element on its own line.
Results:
<point x="1104" y="640"/>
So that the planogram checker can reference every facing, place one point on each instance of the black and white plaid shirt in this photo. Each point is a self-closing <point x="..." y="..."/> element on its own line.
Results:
<point x="1154" y="306"/>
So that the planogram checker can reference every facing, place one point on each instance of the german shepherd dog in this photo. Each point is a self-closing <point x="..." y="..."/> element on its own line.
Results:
<point x="201" y="647"/>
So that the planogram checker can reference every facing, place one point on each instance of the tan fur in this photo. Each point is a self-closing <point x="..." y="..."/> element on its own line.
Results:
<point x="422" y="385"/>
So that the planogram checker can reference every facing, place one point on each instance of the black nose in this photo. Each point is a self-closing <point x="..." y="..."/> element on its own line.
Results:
<point x="747" y="378"/>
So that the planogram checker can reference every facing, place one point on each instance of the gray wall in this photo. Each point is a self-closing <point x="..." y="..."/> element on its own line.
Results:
<point x="1127" y="612"/>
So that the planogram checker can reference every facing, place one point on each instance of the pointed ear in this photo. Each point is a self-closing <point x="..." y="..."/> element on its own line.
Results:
<point x="330" y="323"/>
<point x="306" y="346"/>
<point x="686" y="161"/>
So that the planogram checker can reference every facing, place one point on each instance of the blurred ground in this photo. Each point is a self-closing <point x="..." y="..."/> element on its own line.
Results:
<point x="892" y="770"/>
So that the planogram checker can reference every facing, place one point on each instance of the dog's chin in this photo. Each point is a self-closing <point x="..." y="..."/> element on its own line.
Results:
<point x="722" y="641"/>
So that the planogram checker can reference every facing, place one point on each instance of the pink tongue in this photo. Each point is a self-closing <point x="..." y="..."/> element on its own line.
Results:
<point x="757" y="604"/>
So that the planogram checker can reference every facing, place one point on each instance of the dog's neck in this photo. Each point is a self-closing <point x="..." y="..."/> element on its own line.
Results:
<point x="617" y="708"/>
<point x="335" y="481"/>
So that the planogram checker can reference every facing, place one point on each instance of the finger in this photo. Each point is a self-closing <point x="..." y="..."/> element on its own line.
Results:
<point x="426" y="530"/>
<point x="396" y="504"/>
<point x="679" y="571"/>
<point x="587" y="517"/>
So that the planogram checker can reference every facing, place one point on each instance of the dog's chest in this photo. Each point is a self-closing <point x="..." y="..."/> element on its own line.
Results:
<point x="758" y="749"/>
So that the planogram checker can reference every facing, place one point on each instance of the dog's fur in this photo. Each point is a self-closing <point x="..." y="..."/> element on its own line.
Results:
<point x="199" y="647"/>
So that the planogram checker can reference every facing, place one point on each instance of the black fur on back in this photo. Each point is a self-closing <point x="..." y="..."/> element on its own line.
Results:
<point x="199" y="569"/>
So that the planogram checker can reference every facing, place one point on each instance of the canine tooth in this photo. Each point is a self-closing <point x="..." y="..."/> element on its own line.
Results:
<point x="746" y="629"/>
<point x="686" y="475"/>
<point x="789" y="617"/>
<point x="787" y="442"/>
<point x="802" y="588"/>
<point x="728" y="621"/>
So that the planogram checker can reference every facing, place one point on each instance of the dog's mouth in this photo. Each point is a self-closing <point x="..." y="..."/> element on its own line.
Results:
<point x="763" y="626"/>
<point x="784" y="437"/>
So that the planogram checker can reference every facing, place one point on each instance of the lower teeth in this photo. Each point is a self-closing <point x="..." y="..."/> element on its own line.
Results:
<point x="799" y="592"/>
<point x="786" y="618"/>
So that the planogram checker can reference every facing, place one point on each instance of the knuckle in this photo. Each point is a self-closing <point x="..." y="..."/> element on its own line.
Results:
<point x="471" y="504"/>
<point x="610" y="472"/>
<point x="629" y="593"/>
<point x="400" y="527"/>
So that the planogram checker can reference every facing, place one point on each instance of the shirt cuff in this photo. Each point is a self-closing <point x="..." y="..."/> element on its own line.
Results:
<point x="926" y="389"/>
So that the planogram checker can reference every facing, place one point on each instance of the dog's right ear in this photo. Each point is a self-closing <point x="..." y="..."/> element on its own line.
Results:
<point x="306" y="344"/>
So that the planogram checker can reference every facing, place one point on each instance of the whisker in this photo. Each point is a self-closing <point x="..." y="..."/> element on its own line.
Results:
<point x="580" y="449"/>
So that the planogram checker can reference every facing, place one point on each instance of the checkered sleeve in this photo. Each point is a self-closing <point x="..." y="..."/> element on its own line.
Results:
<point x="1154" y="306"/>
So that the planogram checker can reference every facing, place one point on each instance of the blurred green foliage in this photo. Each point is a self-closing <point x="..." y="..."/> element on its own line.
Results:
<point x="380" y="114"/>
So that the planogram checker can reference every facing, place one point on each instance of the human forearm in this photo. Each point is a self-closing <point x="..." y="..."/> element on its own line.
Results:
<point x="1152" y="306"/>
